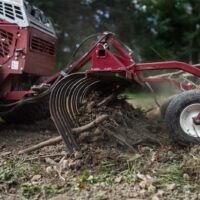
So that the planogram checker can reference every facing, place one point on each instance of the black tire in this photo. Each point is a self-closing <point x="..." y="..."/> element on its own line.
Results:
<point x="165" y="105"/>
<point x="173" y="113"/>
<point x="29" y="112"/>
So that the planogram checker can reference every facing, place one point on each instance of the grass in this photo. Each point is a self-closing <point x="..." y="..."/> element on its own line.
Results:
<point x="162" y="175"/>
<point x="168" y="174"/>
<point x="14" y="170"/>
<point x="30" y="190"/>
<point x="143" y="95"/>
<point x="18" y="174"/>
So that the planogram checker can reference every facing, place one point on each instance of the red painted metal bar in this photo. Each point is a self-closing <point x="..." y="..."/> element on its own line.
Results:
<point x="17" y="95"/>
<point x="168" y="65"/>
<point x="74" y="67"/>
<point x="118" y="46"/>
<point x="134" y="69"/>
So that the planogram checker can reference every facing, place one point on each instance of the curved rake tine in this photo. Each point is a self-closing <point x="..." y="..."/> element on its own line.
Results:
<point x="65" y="99"/>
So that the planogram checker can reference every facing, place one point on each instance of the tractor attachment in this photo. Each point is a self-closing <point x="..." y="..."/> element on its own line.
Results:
<point x="110" y="69"/>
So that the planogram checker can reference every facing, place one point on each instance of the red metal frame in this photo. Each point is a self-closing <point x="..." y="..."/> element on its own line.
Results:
<point x="103" y="62"/>
<point x="124" y="65"/>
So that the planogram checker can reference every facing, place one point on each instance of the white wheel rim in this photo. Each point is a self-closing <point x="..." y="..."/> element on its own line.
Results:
<point x="186" y="120"/>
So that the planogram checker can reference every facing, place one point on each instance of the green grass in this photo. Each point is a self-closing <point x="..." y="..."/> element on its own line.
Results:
<point x="13" y="170"/>
<point x="30" y="190"/>
<point x="148" y="96"/>
<point x="16" y="173"/>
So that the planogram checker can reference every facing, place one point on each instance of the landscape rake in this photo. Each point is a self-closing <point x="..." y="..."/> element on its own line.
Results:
<point x="109" y="73"/>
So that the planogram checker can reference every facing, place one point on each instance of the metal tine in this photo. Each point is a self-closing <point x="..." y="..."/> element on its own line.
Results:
<point x="59" y="112"/>
<point x="54" y="105"/>
<point x="67" y="96"/>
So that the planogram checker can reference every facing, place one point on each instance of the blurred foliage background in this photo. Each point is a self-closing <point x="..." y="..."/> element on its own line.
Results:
<point x="156" y="30"/>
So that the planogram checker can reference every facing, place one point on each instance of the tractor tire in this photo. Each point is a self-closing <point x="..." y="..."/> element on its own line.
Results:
<point x="179" y="117"/>
<point x="165" y="105"/>
<point x="29" y="113"/>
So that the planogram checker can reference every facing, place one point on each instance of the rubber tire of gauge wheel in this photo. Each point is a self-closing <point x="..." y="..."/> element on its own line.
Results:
<point x="165" y="105"/>
<point x="29" y="113"/>
<point x="173" y="113"/>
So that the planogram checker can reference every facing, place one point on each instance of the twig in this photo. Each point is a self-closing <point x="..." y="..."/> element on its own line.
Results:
<point x="106" y="100"/>
<point x="41" y="145"/>
<point x="148" y="110"/>
<point x="196" y="65"/>
<point x="91" y="125"/>
<point x="166" y="75"/>
<point x="59" y="138"/>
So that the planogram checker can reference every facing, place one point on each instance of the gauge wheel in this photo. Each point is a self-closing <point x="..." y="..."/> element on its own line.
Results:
<point x="165" y="105"/>
<point x="180" y="116"/>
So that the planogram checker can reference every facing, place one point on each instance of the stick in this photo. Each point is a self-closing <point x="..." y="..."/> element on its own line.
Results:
<point x="167" y="74"/>
<point x="59" y="138"/>
<point x="106" y="100"/>
<point x="86" y="127"/>
<point x="196" y="65"/>
<point x="41" y="145"/>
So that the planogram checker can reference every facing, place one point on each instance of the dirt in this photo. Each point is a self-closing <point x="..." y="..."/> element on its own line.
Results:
<point x="127" y="125"/>
<point x="126" y="128"/>
<point x="127" y="157"/>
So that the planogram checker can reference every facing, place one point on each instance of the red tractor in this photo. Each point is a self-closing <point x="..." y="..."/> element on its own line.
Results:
<point x="27" y="57"/>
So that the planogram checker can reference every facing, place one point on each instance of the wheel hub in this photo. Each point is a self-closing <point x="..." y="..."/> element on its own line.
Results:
<point x="188" y="120"/>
